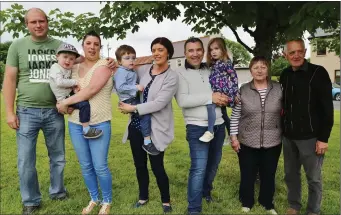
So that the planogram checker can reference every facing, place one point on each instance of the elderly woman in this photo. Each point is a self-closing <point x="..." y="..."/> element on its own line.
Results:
<point x="256" y="135"/>
<point x="96" y="85"/>
<point x="160" y="85"/>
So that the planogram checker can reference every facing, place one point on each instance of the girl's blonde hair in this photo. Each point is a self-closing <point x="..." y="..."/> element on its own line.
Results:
<point x="222" y="45"/>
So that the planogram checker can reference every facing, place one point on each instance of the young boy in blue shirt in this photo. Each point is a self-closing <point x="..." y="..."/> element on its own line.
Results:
<point x="127" y="87"/>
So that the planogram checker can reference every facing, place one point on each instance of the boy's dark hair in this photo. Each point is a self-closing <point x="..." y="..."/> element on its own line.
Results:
<point x="193" y="40"/>
<point x="166" y="43"/>
<point x="124" y="49"/>
<point x="94" y="34"/>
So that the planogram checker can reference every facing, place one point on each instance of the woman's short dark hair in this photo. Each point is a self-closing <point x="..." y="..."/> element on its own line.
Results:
<point x="166" y="43"/>
<point x="94" y="34"/>
<point x="257" y="59"/>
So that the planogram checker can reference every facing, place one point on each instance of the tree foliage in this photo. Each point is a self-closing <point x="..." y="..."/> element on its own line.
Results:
<point x="278" y="65"/>
<point x="331" y="42"/>
<point x="270" y="24"/>
<point x="240" y="55"/>
<point x="3" y="50"/>
<point x="3" y="55"/>
<point x="61" y="24"/>
<point x="2" y="73"/>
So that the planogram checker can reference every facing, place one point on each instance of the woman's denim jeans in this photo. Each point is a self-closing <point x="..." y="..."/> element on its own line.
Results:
<point x="93" y="157"/>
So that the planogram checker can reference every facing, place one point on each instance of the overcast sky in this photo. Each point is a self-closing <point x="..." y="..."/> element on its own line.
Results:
<point x="173" y="30"/>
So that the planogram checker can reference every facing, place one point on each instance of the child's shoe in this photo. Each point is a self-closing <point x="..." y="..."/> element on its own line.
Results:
<point x="206" y="137"/>
<point x="93" y="133"/>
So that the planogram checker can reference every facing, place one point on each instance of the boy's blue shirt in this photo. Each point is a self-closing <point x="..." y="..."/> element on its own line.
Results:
<point x="125" y="81"/>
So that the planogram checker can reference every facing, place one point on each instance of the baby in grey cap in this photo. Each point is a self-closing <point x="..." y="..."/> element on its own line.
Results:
<point x="62" y="86"/>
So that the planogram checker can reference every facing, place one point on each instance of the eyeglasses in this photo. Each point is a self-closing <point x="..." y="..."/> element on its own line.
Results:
<point x="129" y="58"/>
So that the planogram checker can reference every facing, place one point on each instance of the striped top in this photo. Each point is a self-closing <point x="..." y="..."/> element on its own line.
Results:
<point x="100" y="103"/>
<point x="236" y="113"/>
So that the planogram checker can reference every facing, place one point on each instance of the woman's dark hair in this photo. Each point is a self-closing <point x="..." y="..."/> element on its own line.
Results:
<point x="257" y="59"/>
<point x="166" y="43"/>
<point x="94" y="34"/>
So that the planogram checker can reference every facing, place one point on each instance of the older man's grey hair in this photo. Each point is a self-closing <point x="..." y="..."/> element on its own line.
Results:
<point x="299" y="40"/>
<point x="34" y="9"/>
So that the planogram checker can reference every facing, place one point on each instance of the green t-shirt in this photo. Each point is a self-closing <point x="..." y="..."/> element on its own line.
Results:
<point x="33" y="60"/>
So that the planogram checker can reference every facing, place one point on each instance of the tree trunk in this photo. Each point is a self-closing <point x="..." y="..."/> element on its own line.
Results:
<point x="265" y="32"/>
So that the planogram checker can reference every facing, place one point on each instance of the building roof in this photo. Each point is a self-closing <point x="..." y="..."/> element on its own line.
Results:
<point x="320" y="33"/>
<point x="144" y="60"/>
<point x="178" y="51"/>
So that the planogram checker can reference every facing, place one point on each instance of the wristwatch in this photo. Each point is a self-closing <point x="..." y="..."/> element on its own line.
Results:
<point x="135" y="107"/>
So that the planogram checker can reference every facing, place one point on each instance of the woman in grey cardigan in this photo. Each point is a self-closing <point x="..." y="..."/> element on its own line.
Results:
<point x="256" y="135"/>
<point x="160" y="85"/>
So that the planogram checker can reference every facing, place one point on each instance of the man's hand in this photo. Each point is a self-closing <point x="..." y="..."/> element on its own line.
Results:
<point x="321" y="147"/>
<point x="219" y="99"/>
<point x="139" y="87"/>
<point x="13" y="121"/>
<point x="62" y="107"/>
<point x="70" y="110"/>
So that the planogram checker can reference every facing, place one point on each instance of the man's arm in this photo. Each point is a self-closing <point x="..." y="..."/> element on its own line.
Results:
<point x="9" y="90"/>
<point x="325" y="107"/>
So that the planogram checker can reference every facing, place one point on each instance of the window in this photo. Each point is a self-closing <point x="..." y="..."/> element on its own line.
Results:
<point x="179" y="62"/>
<point x="337" y="76"/>
<point x="321" y="49"/>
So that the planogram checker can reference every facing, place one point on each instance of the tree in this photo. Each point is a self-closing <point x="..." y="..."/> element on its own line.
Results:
<point x="269" y="23"/>
<point x="3" y="55"/>
<point x="60" y="24"/>
<point x="240" y="55"/>
<point x="3" y="50"/>
<point x="2" y="73"/>
<point x="330" y="42"/>
<point x="278" y="65"/>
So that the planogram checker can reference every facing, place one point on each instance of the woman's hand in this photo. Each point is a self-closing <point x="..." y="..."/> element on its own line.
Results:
<point x="235" y="144"/>
<point x="126" y="108"/>
<point x="62" y="107"/>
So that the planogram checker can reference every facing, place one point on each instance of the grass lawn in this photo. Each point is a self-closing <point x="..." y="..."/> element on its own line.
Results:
<point x="177" y="162"/>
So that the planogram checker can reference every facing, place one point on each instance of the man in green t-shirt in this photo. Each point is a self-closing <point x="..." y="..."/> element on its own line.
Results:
<point x="30" y="59"/>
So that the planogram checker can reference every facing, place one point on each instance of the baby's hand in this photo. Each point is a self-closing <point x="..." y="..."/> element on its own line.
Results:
<point x="139" y="87"/>
<point x="76" y="89"/>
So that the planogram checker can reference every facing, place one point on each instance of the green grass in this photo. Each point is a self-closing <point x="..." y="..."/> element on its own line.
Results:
<point x="177" y="162"/>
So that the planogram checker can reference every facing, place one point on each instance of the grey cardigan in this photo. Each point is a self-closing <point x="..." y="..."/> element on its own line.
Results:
<point x="159" y="105"/>
<point x="260" y="126"/>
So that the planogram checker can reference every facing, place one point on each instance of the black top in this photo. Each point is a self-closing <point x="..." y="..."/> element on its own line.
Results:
<point x="308" y="110"/>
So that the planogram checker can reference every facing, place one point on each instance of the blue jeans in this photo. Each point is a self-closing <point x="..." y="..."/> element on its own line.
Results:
<point x="93" y="158"/>
<point x="52" y="124"/>
<point x="145" y="120"/>
<point x="205" y="159"/>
